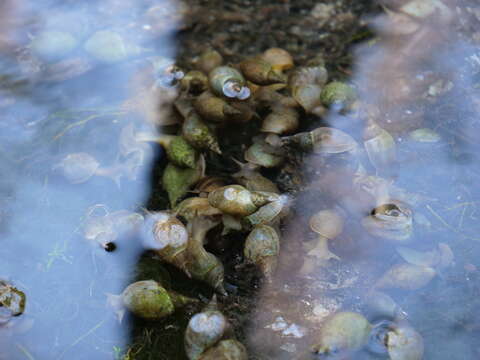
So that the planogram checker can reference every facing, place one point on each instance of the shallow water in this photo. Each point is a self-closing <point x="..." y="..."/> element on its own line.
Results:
<point x="67" y="103"/>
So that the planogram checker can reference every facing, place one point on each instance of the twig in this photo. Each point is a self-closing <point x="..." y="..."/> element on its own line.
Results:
<point x="448" y="226"/>
<point x="24" y="351"/>
<point x="92" y="330"/>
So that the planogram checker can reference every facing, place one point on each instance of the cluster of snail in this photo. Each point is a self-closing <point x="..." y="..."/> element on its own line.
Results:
<point x="214" y="96"/>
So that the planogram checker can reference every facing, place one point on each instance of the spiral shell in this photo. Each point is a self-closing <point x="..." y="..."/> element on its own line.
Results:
<point x="198" y="134"/>
<point x="261" y="72"/>
<point x="209" y="60"/>
<point x="262" y="248"/>
<point x="392" y="221"/>
<point x="279" y="59"/>
<point x="229" y="82"/>
<point x="214" y="109"/>
<point x="282" y="120"/>
<point x="233" y="200"/>
<point x="323" y="140"/>
<point x="262" y="154"/>
<point x="226" y="350"/>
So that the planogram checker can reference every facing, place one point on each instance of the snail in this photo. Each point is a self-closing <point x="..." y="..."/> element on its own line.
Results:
<point x="213" y="108"/>
<point x="198" y="134"/>
<point x="391" y="221"/>
<point x="80" y="167"/>
<point x="262" y="248"/>
<point x="250" y="177"/>
<point x="105" y="230"/>
<point x="147" y="299"/>
<point x="53" y="45"/>
<point x="306" y="84"/>
<point x="167" y="75"/>
<point x="109" y="47"/>
<point x="194" y="82"/>
<point x="322" y="140"/>
<point x="267" y="213"/>
<point x="207" y="184"/>
<point x="338" y="94"/>
<point x="379" y="144"/>
<point x="399" y="340"/>
<point x="439" y="258"/>
<point x="238" y="201"/>
<point x="381" y="306"/>
<point x="12" y="301"/>
<point x="195" y="206"/>
<point x="229" y="349"/>
<point x="328" y="224"/>
<point x="176" y="181"/>
<point x="204" y="330"/>
<point x="209" y="60"/>
<point x="262" y="154"/>
<point x="279" y="59"/>
<point x="178" y="150"/>
<point x="261" y="72"/>
<point x="343" y="331"/>
<point x="229" y="82"/>
<point x="282" y="120"/>
<point x="406" y="276"/>
<point x="201" y="264"/>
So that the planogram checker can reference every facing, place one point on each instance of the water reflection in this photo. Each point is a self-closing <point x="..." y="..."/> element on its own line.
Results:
<point x="73" y="181"/>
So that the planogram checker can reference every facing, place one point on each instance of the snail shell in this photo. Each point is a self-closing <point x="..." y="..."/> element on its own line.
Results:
<point x="181" y="153"/>
<point x="12" y="300"/>
<point x="380" y="145"/>
<point x="406" y="277"/>
<point x="209" y="60"/>
<point x="339" y="94"/>
<point x="263" y="154"/>
<point x="233" y="200"/>
<point x="323" y="140"/>
<point x="78" y="168"/>
<point x="204" y="330"/>
<point x="308" y="96"/>
<point x="194" y="82"/>
<point x="342" y="331"/>
<point x="196" y="206"/>
<point x="229" y="82"/>
<point x="279" y="59"/>
<point x="404" y="343"/>
<point x="249" y="177"/>
<point x="261" y="72"/>
<point x="282" y="120"/>
<point x="213" y="108"/>
<point x="391" y="221"/>
<point x="268" y="212"/>
<point x="226" y="350"/>
<point x="262" y="248"/>
<point x="198" y="134"/>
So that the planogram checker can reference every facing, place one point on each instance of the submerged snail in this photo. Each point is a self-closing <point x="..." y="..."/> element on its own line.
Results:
<point x="391" y="221"/>
<point x="79" y="167"/>
<point x="53" y="45"/>
<point x="343" y="331"/>
<point x="406" y="276"/>
<point x="328" y="224"/>
<point x="262" y="248"/>
<point x="322" y="140"/>
<point x="379" y="144"/>
<point x="229" y="82"/>
<point x="338" y="94"/>
<point x="238" y="201"/>
<point x="204" y="330"/>
<point x="109" y="47"/>
<point x="147" y="299"/>
<point x="12" y="301"/>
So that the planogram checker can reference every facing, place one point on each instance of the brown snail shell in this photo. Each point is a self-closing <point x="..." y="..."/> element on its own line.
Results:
<point x="226" y="350"/>
<point x="261" y="72"/>
<point x="262" y="248"/>
<point x="198" y="134"/>
<point x="279" y="59"/>
<point x="267" y="213"/>
<point x="308" y="75"/>
<point x="204" y="330"/>
<point x="195" y="206"/>
<point x="213" y="108"/>
<point x="194" y="82"/>
<point x="308" y="96"/>
<point x="262" y="154"/>
<point x="282" y="120"/>
<point x="209" y="60"/>
<point x="323" y="140"/>
<point x="233" y="199"/>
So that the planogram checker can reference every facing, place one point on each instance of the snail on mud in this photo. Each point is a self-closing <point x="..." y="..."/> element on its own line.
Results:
<point x="204" y="330"/>
<point x="147" y="299"/>
<point x="328" y="224"/>
<point x="282" y="120"/>
<point x="343" y="331"/>
<point x="322" y="140"/>
<point x="176" y="181"/>
<point x="262" y="248"/>
<point x="262" y="154"/>
<point x="238" y="201"/>
<point x="198" y="134"/>
<point x="229" y="82"/>
<point x="80" y="167"/>
<point x="391" y="221"/>
<point x="209" y="60"/>
<point x="261" y="72"/>
<point x="214" y="109"/>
